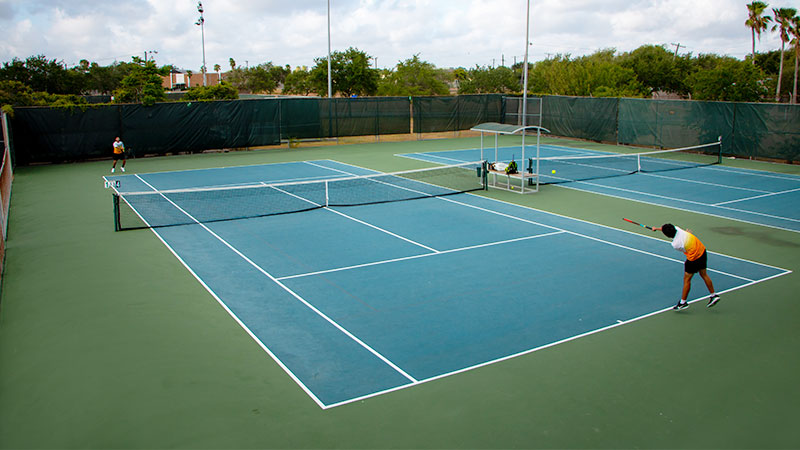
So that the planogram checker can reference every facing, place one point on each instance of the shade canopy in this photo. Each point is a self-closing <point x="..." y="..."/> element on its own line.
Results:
<point x="501" y="128"/>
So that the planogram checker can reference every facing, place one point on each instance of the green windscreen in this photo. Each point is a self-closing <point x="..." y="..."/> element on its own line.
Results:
<point x="584" y="118"/>
<point x="675" y="123"/>
<point x="767" y="131"/>
<point x="437" y="114"/>
<point x="364" y="116"/>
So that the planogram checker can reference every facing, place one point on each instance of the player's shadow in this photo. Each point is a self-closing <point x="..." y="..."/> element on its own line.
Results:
<point x="764" y="237"/>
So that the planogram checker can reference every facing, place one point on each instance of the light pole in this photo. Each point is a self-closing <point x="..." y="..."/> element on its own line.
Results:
<point x="525" y="73"/>
<point x="150" y="52"/>
<point x="330" y="87"/>
<point x="201" y="22"/>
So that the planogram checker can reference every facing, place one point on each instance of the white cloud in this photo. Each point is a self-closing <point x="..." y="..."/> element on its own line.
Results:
<point x="446" y="33"/>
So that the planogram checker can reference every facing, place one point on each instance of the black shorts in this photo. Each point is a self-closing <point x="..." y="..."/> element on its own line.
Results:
<point x="697" y="265"/>
<point x="118" y="156"/>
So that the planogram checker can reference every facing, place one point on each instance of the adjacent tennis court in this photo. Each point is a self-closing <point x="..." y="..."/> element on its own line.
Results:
<point x="746" y="195"/>
<point x="354" y="301"/>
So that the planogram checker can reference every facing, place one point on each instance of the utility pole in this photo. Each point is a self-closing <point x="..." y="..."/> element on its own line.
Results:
<point x="677" y="47"/>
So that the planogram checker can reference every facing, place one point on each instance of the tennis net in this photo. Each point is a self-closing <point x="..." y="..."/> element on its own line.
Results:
<point x="582" y="168"/>
<point x="151" y="209"/>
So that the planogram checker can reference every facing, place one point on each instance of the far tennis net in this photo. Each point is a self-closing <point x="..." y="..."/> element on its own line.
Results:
<point x="566" y="169"/>
<point x="151" y="209"/>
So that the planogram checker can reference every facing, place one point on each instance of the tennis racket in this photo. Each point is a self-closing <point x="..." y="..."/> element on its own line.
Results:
<point x="637" y="223"/>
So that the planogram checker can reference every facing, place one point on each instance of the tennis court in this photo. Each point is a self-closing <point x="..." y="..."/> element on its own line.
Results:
<point x="113" y="339"/>
<point x="746" y="195"/>
<point x="360" y="300"/>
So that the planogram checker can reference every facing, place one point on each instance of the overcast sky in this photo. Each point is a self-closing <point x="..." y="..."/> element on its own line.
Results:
<point x="447" y="33"/>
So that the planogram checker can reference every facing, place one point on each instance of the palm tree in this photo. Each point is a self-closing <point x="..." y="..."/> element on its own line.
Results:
<point x="232" y="63"/>
<point x="795" y="32"/>
<point x="783" y="22"/>
<point x="217" y="68"/>
<point x="757" y="22"/>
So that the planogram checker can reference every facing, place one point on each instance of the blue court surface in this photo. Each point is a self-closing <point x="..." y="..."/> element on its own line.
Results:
<point x="358" y="301"/>
<point x="752" y="196"/>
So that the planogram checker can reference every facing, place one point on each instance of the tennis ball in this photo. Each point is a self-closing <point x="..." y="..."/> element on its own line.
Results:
<point x="553" y="171"/>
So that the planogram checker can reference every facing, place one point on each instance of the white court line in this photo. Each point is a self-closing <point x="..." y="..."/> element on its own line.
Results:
<point x="295" y="295"/>
<point x="726" y="186"/>
<point x="684" y="200"/>
<point x="357" y="220"/>
<point x="592" y="238"/>
<point x="406" y="258"/>
<point x="415" y="382"/>
<point x="574" y="233"/>
<point x="758" y="173"/>
<point x="757" y="196"/>
<point x="552" y="344"/>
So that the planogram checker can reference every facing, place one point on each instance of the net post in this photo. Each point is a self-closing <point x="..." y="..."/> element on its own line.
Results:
<point x="481" y="145"/>
<point x="719" y="151"/>
<point x="485" y="174"/>
<point x="327" y="199"/>
<point x="117" y="227"/>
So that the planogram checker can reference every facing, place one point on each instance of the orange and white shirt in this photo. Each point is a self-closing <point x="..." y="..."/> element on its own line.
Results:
<point x="119" y="147"/>
<point x="688" y="244"/>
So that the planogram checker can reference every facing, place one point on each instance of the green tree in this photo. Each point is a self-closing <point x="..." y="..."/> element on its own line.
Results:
<point x="15" y="93"/>
<point x="606" y="77"/>
<point x="461" y="75"/>
<point x="298" y="82"/>
<point x="658" y="69"/>
<point x="142" y="84"/>
<point x="261" y="78"/>
<point x="783" y="23"/>
<point x="757" y="22"/>
<point x="414" y="77"/>
<point x="484" y="80"/>
<point x="795" y="33"/>
<point x="553" y="76"/>
<point x="729" y="80"/>
<point x="106" y="79"/>
<point x="351" y="74"/>
<point x="44" y="75"/>
<point x="221" y="91"/>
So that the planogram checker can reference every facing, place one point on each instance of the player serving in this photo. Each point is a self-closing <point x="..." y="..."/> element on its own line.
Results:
<point x="696" y="257"/>
<point x="119" y="153"/>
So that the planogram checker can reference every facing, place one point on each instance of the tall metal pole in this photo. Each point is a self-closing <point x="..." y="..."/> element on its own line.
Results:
<point x="330" y="84"/>
<point x="525" y="90"/>
<point x="201" y="22"/>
